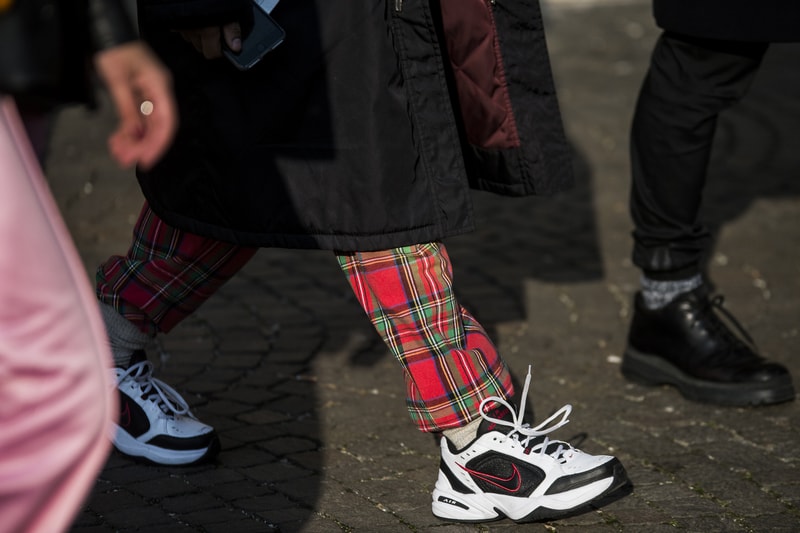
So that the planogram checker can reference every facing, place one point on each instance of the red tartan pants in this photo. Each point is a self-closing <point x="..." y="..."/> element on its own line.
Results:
<point x="449" y="363"/>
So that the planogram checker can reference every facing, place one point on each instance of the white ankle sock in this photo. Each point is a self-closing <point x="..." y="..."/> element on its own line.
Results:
<point x="123" y="336"/>
<point x="657" y="294"/>
<point x="463" y="435"/>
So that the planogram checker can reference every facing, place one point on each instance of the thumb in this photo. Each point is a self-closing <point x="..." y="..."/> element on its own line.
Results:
<point x="232" y="33"/>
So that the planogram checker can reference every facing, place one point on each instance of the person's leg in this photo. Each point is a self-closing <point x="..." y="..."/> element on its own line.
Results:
<point x="165" y="276"/>
<point x="676" y="336"/>
<point x="689" y="83"/>
<point x="56" y="401"/>
<point x="449" y="363"/>
<point x="458" y="384"/>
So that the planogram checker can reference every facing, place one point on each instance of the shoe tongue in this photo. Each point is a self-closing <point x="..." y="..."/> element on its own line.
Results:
<point x="501" y="412"/>
<point x="137" y="357"/>
<point x="496" y="411"/>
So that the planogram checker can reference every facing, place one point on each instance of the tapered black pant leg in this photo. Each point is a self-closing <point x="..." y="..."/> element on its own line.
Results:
<point x="689" y="82"/>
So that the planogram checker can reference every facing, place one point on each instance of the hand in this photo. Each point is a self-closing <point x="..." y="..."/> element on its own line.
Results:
<point x="133" y="74"/>
<point x="207" y="40"/>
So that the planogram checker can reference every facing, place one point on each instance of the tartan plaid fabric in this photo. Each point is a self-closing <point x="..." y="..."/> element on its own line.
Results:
<point x="167" y="273"/>
<point x="449" y="362"/>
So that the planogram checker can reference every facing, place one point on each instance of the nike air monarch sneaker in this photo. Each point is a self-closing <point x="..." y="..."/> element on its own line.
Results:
<point x="155" y="422"/>
<point x="513" y="470"/>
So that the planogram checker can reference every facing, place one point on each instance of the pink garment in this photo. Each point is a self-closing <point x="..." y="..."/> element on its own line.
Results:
<point x="56" y="399"/>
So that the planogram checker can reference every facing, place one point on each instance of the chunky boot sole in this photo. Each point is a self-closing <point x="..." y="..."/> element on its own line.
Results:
<point x="652" y="370"/>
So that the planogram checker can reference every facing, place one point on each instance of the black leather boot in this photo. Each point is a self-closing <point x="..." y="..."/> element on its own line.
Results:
<point x="687" y="345"/>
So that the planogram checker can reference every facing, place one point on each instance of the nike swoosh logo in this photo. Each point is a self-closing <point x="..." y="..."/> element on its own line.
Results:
<point x="510" y="484"/>
<point x="125" y="416"/>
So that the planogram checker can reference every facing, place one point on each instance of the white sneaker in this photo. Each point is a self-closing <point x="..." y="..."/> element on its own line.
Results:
<point x="155" y="422"/>
<point x="519" y="473"/>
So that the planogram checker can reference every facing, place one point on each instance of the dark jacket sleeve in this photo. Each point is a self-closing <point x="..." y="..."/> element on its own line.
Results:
<point x="731" y="20"/>
<point x="109" y="24"/>
<point x="181" y="14"/>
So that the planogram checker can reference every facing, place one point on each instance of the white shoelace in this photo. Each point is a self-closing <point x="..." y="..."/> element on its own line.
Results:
<point x="518" y="428"/>
<point x="155" y="390"/>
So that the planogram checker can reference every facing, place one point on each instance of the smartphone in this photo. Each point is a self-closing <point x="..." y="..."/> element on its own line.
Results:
<point x="259" y="35"/>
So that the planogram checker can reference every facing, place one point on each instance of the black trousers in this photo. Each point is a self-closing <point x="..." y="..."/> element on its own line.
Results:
<point x="690" y="81"/>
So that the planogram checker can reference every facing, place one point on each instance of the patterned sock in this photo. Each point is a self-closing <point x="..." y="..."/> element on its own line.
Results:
<point x="123" y="336"/>
<point x="462" y="436"/>
<point x="658" y="294"/>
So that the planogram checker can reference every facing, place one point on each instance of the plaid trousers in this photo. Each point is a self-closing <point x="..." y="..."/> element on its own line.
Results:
<point x="449" y="362"/>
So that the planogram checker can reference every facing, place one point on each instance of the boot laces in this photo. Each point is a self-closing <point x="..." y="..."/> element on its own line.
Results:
<point x="716" y="303"/>
<point x="165" y="397"/>
<point x="532" y="439"/>
<point x="739" y="340"/>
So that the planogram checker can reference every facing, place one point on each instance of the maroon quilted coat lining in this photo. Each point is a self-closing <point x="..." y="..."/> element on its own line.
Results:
<point x="478" y="70"/>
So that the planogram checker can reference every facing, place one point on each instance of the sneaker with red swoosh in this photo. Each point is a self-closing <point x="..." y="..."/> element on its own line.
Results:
<point x="155" y="422"/>
<point x="512" y="470"/>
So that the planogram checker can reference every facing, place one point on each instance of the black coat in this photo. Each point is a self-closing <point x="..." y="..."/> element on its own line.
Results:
<point x="732" y="20"/>
<point x="46" y="47"/>
<point x="353" y="134"/>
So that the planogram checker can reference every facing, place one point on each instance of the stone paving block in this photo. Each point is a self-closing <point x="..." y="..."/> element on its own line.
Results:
<point x="306" y="490"/>
<point x="174" y="527"/>
<point x="288" y="446"/>
<point x="246" y="488"/>
<point x="574" y="528"/>
<point x="262" y="417"/>
<point x="277" y="471"/>
<point x="245" y="394"/>
<point x="640" y="516"/>
<point x="267" y="502"/>
<point x="220" y="423"/>
<point x="291" y="519"/>
<point x="137" y="517"/>
<point x="168" y="485"/>
<point x="213" y="476"/>
<point x="774" y="523"/>
<point x="204" y="387"/>
<point x="788" y="493"/>
<point x="227" y="409"/>
<point x="239" y="360"/>
<point x="252" y="433"/>
<point x="355" y="510"/>
<point x="244" y="457"/>
<point x="240" y="526"/>
<point x="99" y="528"/>
<point x="190" y="502"/>
<point x="270" y="371"/>
<point x="223" y="516"/>
<point x="129" y="471"/>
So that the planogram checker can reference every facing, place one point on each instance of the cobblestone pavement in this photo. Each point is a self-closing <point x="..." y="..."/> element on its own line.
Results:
<point x="309" y="405"/>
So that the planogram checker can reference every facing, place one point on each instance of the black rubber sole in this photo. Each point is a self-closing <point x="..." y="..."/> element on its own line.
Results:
<point x="209" y="456"/>
<point x="619" y="488"/>
<point x="651" y="370"/>
<point x="613" y="493"/>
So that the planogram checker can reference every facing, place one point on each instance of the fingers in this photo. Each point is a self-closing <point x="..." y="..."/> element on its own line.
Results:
<point x="133" y="74"/>
<point x="208" y="41"/>
<point x="232" y="33"/>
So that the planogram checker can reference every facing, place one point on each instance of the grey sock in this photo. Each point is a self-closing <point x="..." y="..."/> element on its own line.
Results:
<point x="124" y="337"/>
<point x="657" y="294"/>
<point x="463" y="435"/>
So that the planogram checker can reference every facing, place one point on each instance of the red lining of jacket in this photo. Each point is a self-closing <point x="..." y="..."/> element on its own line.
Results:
<point x="479" y="75"/>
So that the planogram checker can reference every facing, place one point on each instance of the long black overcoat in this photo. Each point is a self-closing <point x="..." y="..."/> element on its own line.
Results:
<point x="365" y="129"/>
<point x="733" y="20"/>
